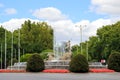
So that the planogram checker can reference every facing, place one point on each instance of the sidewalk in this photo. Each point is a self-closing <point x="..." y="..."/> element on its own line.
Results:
<point x="60" y="76"/>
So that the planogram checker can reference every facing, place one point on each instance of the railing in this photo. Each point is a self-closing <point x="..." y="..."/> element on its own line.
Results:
<point x="55" y="64"/>
<point x="59" y="64"/>
<point x="96" y="65"/>
<point x="18" y="66"/>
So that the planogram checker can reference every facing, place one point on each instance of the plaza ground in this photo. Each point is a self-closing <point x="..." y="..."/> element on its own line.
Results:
<point x="60" y="76"/>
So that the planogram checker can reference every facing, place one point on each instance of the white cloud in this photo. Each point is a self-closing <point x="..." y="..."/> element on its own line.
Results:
<point x="90" y="28"/>
<point x="94" y="25"/>
<point x="14" y="24"/>
<point x="50" y="13"/>
<point x="111" y="7"/>
<point x="9" y="11"/>
<point x="65" y="29"/>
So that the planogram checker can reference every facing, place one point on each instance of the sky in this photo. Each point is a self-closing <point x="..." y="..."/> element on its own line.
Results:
<point x="65" y="16"/>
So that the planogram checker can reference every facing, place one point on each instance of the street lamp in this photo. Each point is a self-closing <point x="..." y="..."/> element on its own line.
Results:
<point x="80" y="26"/>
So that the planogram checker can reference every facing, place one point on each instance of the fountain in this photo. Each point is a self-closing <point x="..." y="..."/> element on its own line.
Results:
<point x="58" y="60"/>
<point x="61" y="57"/>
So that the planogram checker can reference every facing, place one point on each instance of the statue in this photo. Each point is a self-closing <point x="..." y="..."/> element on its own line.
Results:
<point x="67" y="47"/>
<point x="50" y="56"/>
<point x="67" y="54"/>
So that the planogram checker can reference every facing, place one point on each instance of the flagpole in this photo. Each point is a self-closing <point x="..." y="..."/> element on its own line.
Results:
<point x="19" y="47"/>
<point x="1" y="55"/>
<point x="12" y="52"/>
<point x="23" y="52"/>
<point x="15" y="54"/>
<point x="5" y="50"/>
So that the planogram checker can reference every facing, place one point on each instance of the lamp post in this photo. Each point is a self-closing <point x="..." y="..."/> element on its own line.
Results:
<point x="80" y="26"/>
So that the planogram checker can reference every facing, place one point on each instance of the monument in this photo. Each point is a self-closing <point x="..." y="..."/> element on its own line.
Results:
<point x="61" y="57"/>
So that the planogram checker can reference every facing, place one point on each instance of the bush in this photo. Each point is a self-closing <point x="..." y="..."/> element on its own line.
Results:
<point x="14" y="60"/>
<point x="25" y="57"/>
<point x="35" y="63"/>
<point x="79" y="64"/>
<point x="114" y="61"/>
<point x="44" y="55"/>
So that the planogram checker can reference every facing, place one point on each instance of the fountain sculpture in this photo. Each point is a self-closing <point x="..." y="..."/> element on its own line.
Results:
<point x="61" y="57"/>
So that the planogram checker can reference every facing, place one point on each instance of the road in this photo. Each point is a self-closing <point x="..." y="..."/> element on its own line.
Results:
<point x="60" y="76"/>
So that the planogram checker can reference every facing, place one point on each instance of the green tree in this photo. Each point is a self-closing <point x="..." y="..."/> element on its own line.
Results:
<point x="109" y="38"/>
<point x="79" y="64"/>
<point x="36" y="37"/>
<point x="35" y="63"/>
<point x="114" y="61"/>
<point x="25" y="57"/>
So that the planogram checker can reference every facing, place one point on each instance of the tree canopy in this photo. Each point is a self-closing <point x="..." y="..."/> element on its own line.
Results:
<point x="100" y="46"/>
<point x="34" y="37"/>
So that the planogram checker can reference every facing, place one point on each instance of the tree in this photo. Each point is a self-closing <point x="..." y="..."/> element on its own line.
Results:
<point x="110" y="38"/>
<point x="114" y="61"/>
<point x="25" y="57"/>
<point x="106" y="40"/>
<point x="35" y="63"/>
<point x="36" y="37"/>
<point x="79" y="64"/>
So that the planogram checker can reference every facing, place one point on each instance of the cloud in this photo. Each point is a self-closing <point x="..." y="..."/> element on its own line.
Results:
<point x="110" y="7"/>
<point x="14" y="24"/>
<point x="90" y="28"/>
<point x="49" y="13"/>
<point x="65" y="29"/>
<point x="94" y="25"/>
<point x="9" y="11"/>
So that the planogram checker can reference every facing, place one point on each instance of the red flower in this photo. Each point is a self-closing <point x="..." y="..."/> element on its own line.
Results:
<point x="56" y="71"/>
<point x="101" y="70"/>
<point x="10" y="71"/>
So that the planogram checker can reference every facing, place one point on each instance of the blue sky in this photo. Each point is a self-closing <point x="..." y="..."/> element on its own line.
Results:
<point x="62" y="15"/>
<point x="76" y="10"/>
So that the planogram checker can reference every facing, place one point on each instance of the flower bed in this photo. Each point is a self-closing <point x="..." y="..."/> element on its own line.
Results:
<point x="56" y="71"/>
<point x="101" y="70"/>
<point x="11" y="71"/>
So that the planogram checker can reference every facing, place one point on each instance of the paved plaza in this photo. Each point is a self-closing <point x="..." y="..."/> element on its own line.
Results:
<point x="60" y="76"/>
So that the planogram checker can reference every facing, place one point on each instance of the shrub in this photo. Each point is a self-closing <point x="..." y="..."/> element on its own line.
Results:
<point x="14" y="60"/>
<point x="44" y="55"/>
<point x="25" y="57"/>
<point x="79" y="64"/>
<point x="114" y="61"/>
<point x="35" y="63"/>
